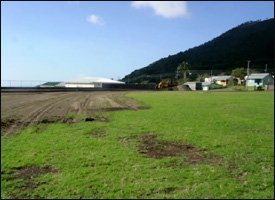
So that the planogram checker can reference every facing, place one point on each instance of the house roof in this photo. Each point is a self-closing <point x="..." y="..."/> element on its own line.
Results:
<point x="50" y="84"/>
<point x="95" y="80"/>
<point x="258" y="76"/>
<point x="220" y="78"/>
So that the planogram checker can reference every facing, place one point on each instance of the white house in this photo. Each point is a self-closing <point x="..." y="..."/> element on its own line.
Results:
<point x="261" y="79"/>
<point x="90" y="82"/>
<point x="221" y="80"/>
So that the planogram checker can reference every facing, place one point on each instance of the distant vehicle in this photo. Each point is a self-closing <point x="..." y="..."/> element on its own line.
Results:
<point x="166" y="84"/>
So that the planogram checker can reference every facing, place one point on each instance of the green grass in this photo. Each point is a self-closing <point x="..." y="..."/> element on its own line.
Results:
<point x="237" y="126"/>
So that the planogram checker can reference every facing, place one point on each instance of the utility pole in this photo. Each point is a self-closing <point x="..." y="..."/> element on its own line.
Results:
<point x="247" y="71"/>
<point x="248" y="62"/>
<point x="265" y="68"/>
<point x="211" y="74"/>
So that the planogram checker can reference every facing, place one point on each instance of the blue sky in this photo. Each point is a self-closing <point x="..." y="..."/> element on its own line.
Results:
<point x="67" y="40"/>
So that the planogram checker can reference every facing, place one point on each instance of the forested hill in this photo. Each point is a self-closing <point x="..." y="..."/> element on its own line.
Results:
<point x="252" y="40"/>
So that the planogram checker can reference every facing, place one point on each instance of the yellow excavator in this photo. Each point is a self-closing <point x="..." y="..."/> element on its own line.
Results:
<point x="166" y="84"/>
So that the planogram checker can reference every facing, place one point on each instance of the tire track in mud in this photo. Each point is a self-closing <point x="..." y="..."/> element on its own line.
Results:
<point x="19" y="106"/>
<point x="84" y="105"/>
<point x="51" y="107"/>
<point x="37" y="114"/>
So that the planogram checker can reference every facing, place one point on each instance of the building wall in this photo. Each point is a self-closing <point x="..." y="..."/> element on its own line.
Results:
<point x="205" y="87"/>
<point x="268" y="80"/>
<point x="192" y="86"/>
<point x="254" y="82"/>
<point x="222" y="82"/>
<point x="219" y="82"/>
<point x="83" y="85"/>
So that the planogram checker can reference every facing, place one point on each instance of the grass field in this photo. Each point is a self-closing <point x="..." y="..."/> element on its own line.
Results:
<point x="186" y="145"/>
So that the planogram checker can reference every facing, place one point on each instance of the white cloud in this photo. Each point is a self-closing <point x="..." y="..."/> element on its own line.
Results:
<point x="166" y="9"/>
<point x="95" y="19"/>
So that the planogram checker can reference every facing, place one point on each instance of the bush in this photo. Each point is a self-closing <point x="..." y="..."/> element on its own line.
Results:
<point x="239" y="88"/>
<point x="260" y="88"/>
<point x="215" y="86"/>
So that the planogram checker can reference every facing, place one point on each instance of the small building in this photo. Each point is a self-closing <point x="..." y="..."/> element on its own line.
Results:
<point x="91" y="82"/>
<point x="52" y="84"/>
<point x="220" y="80"/>
<point x="194" y="85"/>
<point x="260" y="79"/>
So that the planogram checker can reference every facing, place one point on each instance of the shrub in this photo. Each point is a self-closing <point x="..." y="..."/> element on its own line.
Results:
<point x="239" y="88"/>
<point x="215" y="86"/>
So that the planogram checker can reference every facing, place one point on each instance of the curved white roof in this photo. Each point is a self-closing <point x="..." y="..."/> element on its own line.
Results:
<point x="95" y="80"/>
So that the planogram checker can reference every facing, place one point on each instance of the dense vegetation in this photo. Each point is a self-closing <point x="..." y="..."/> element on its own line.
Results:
<point x="252" y="40"/>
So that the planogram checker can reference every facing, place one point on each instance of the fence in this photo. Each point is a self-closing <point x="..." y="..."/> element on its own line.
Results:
<point x="33" y="85"/>
<point x="21" y="83"/>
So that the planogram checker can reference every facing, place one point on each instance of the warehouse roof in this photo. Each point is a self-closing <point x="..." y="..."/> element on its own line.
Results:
<point x="95" y="80"/>
<point x="52" y="84"/>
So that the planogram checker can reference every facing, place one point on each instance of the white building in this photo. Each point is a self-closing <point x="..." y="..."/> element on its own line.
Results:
<point x="194" y="85"/>
<point x="260" y="79"/>
<point x="90" y="82"/>
<point x="221" y="80"/>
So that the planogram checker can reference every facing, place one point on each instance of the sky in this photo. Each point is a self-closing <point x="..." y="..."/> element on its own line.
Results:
<point x="67" y="40"/>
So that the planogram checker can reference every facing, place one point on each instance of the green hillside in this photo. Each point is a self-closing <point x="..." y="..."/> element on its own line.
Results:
<point x="252" y="40"/>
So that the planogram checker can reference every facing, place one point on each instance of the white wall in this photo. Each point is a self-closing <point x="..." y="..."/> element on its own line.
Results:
<point x="79" y="85"/>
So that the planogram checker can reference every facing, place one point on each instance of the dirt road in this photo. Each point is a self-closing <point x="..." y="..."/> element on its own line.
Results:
<point x="21" y="109"/>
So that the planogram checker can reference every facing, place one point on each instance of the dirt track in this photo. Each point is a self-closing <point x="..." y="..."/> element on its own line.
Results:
<point x="20" y="109"/>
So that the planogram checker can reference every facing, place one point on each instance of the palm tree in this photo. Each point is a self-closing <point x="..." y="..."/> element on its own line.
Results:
<point x="182" y="69"/>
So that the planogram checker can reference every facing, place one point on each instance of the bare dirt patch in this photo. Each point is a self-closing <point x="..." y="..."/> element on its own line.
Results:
<point x="7" y="124"/>
<point x="35" y="108"/>
<point x="28" y="175"/>
<point x="98" y="133"/>
<point x="151" y="147"/>
<point x="30" y="172"/>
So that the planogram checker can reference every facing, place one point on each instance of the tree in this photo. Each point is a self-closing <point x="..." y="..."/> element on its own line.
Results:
<point x="201" y="77"/>
<point x="239" y="73"/>
<point x="182" y="69"/>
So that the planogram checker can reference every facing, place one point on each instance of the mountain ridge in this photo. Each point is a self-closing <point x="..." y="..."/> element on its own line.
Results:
<point x="252" y="40"/>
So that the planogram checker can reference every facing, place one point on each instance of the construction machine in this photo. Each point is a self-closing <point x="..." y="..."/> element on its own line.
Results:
<point x="166" y="84"/>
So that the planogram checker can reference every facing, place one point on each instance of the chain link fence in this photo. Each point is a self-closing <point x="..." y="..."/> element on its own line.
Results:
<point x="21" y="83"/>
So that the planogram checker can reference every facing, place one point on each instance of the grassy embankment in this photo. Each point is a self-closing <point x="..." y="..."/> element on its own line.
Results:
<point x="237" y="128"/>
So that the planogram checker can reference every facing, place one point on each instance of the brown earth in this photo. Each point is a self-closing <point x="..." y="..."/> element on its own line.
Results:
<point x="28" y="175"/>
<point x="21" y="109"/>
<point x="150" y="146"/>
<point x="98" y="133"/>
